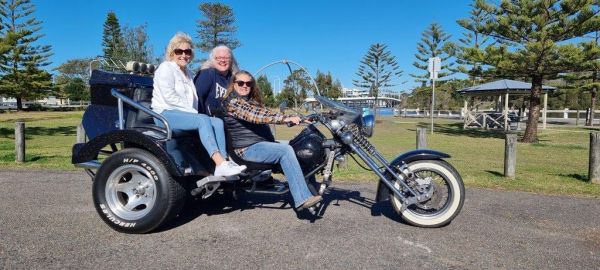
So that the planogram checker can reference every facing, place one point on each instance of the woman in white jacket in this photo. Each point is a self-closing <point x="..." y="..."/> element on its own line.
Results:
<point x="175" y="98"/>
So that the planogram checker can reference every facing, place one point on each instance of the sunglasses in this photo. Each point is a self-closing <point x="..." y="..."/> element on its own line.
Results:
<point x="180" y="51"/>
<point x="241" y="83"/>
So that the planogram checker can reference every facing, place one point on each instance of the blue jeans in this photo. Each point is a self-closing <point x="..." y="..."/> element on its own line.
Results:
<point x="273" y="153"/>
<point x="210" y="129"/>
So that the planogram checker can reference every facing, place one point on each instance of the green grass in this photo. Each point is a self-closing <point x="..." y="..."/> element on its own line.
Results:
<point x="48" y="139"/>
<point x="558" y="164"/>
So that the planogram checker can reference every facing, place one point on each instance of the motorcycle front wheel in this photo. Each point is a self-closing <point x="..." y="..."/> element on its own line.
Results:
<point x="447" y="198"/>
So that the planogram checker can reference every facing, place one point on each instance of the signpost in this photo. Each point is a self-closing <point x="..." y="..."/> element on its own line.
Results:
<point x="433" y="67"/>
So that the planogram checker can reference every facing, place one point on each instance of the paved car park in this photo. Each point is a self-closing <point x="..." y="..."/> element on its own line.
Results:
<point x="47" y="220"/>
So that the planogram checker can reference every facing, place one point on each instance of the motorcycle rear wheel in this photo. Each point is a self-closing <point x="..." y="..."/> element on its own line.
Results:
<point x="446" y="201"/>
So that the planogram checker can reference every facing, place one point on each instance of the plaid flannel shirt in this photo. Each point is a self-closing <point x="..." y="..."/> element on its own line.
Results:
<point x="253" y="112"/>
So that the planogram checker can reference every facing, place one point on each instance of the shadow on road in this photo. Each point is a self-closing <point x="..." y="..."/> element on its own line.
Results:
<point x="9" y="133"/>
<point x="225" y="203"/>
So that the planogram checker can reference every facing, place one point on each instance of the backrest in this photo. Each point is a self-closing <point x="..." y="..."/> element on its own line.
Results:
<point x="138" y="118"/>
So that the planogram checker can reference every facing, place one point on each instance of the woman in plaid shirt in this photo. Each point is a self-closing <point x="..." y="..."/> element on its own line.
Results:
<point x="247" y="122"/>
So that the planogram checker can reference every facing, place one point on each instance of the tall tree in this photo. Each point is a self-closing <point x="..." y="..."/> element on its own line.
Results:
<point x="217" y="27"/>
<point x="377" y="70"/>
<point x="136" y="45"/>
<point x="71" y="79"/>
<point x="328" y="87"/>
<point x="266" y="91"/>
<point x="533" y="41"/>
<point x="433" y="44"/>
<point x="591" y="77"/>
<point x="295" y="88"/>
<point x="21" y="64"/>
<point x="75" y="89"/>
<point x="472" y="38"/>
<point x="112" y="38"/>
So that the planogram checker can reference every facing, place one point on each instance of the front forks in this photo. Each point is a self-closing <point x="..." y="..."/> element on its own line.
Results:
<point x="373" y="158"/>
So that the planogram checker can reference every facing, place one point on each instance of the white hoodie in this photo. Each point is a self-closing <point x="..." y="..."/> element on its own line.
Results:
<point x="173" y="90"/>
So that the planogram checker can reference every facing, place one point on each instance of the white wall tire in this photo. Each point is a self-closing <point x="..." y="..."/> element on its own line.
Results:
<point x="449" y="184"/>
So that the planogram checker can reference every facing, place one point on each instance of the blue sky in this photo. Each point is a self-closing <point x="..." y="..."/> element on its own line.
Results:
<point x="322" y="35"/>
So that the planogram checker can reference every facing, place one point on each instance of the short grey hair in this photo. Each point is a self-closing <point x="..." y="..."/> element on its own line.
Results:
<point x="210" y="62"/>
<point x="177" y="39"/>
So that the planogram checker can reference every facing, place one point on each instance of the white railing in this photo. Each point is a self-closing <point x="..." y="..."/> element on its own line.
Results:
<point x="426" y="113"/>
<point x="554" y="114"/>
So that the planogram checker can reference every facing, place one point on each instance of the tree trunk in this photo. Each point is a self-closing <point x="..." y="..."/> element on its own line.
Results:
<point x="19" y="104"/>
<point x="530" y="135"/>
<point x="590" y="121"/>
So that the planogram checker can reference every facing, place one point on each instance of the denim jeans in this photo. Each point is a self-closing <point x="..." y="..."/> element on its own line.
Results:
<point x="273" y="153"/>
<point x="210" y="129"/>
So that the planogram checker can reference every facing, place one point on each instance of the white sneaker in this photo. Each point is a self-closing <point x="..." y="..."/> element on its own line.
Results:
<point x="241" y="167"/>
<point x="232" y="162"/>
<point x="227" y="169"/>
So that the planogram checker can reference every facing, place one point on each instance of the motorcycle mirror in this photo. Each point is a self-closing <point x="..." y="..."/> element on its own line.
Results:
<point x="282" y="106"/>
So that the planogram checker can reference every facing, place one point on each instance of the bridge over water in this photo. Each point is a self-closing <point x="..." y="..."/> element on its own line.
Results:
<point x="361" y="102"/>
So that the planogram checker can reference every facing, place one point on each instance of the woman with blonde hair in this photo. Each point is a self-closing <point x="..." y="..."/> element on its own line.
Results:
<point x="247" y="122"/>
<point x="175" y="98"/>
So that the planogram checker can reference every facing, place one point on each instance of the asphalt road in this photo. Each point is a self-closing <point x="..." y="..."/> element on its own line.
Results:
<point x="47" y="220"/>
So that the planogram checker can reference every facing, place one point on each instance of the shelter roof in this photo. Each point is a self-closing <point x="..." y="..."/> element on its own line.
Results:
<point x="504" y="86"/>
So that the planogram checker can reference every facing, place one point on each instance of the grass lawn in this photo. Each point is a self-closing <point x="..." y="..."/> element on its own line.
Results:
<point x="558" y="164"/>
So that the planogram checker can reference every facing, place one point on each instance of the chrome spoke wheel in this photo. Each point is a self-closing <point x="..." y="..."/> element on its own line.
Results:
<point x="443" y="192"/>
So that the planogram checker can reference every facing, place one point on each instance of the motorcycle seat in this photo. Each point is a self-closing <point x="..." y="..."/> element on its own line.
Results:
<point x="251" y="166"/>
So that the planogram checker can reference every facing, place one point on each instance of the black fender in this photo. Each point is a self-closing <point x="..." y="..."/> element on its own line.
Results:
<point x="383" y="191"/>
<point x="90" y="150"/>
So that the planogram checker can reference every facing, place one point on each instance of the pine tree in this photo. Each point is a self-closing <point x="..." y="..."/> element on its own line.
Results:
<point x="377" y="70"/>
<point x="591" y="77"/>
<point x="433" y="44"/>
<point x="533" y="40"/>
<point x="112" y="38"/>
<point x="266" y="91"/>
<point x="472" y="38"/>
<point x="20" y="65"/>
<point x="217" y="28"/>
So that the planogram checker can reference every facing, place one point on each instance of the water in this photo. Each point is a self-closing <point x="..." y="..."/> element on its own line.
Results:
<point x="385" y="111"/>
<point x="380" y="111"/>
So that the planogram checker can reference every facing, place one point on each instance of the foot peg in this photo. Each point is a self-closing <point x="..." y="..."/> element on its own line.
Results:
<point x="210" y="184"/>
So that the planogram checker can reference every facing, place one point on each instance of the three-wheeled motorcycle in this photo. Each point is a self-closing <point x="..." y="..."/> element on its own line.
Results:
<point x="143" y="172"/>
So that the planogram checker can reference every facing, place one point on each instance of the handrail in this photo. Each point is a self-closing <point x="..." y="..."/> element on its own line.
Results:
<point x="121" y="97"/>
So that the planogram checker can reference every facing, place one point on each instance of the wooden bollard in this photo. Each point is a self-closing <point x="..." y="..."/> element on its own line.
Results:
<point x="20" y="141"/>
<point x="594" y="170"/>
<point x="510" y="155"/>
<point x="421" y="139"/>
<point x="80" y="134"/>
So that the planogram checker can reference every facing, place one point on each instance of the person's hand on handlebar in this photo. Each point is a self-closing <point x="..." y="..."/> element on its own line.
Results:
<point x="292" y="120"/>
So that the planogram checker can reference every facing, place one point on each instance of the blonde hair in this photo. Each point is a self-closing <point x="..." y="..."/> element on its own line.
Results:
<point x="210" y="62"/>
<point x="175" y="41"/>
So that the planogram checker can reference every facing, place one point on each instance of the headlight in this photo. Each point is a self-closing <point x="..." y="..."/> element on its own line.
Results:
<point x="368" y="124"/>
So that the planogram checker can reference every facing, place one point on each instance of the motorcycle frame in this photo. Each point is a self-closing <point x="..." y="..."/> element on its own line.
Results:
<point x="372" y="161"/>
